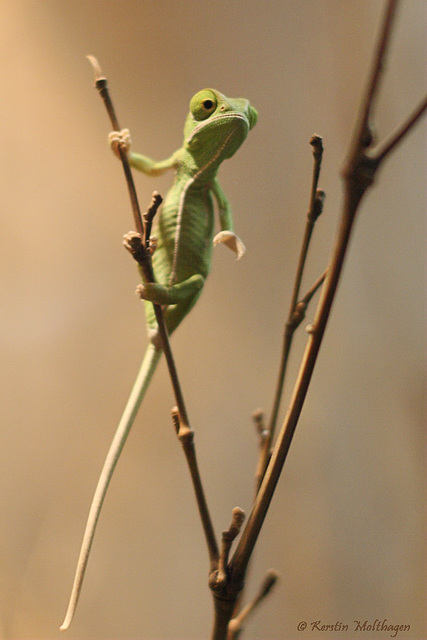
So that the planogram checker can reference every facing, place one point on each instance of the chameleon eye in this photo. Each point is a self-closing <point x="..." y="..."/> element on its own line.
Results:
<point x="203" y="104"/>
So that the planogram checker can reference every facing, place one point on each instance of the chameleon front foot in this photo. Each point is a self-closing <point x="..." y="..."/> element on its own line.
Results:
<point x="231" y="241"/>
<point x="119" y="139"/>
<point x="160" y="294"/>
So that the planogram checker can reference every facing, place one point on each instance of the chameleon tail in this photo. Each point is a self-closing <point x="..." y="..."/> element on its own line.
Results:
<point x="148" y="366"/>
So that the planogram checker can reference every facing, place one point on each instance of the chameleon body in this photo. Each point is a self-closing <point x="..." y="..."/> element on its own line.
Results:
<point x="215" y="128"/>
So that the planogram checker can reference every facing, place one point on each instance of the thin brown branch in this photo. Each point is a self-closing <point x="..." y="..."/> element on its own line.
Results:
<point x="296" y="316"/>
<point x="235" y="625"/>
<point x="258" y="418"/>
<point x="264" y="447"/>
<point x="186" y="437"/>
<point x="308" y="296"/>
<point x="396" y="137"/>
<point x="358" y="177"/>
<point x="317" y="198"/>
<point x="317" y="144"/>
<point x="148" y="218"/>
<point x="228" y="537"/>
<point x="251" y="531"/>
<point x="316" y="207"/>
<point x="101" y="86"/>
<point x="373" y="84"/>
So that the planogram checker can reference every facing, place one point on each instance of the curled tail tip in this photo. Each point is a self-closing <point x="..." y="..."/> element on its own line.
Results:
<point x="148" y="366"/>
<point x="71" y="609"/>
<point x="67" y="621"/>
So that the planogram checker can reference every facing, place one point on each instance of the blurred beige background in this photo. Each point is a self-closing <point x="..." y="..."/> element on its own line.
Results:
<point x="346" y="527"/>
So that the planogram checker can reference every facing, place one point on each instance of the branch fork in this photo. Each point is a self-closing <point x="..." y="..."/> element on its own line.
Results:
<point x="359" y="173"/>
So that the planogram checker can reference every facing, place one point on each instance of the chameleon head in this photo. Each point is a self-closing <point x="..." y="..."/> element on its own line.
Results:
<point x="217" y="125"/>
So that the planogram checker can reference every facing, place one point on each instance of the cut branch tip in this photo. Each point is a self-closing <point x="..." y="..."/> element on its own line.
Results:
<point x="258" y="418"/>
<point x="317" y="144"/>
<point x="228" y="536"/>
<point x="237" y="518"/>
<point x="271" y="577"/>
<point x="97" y="69"/>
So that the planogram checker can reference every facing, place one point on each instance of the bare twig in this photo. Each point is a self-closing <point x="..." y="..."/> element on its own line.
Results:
<point x="228" y="537"/>
<point x="235" y="625"/>
<point x="264" y="446"/>
<point x="186" y="437"/>
<point x="263" y="455"/>
<point x="315" y="209"/>
<point x="258" y="418"/>
<point x="317" y="198"/>
<point x="310" y="293"/>
<point x="264" y="433"/>
<point x="363" y="133"/>
<point x="359" y="175"/>
<point x="101" y="85"/>
<point x="398" y="135"/>
<point x="354" y="192"/>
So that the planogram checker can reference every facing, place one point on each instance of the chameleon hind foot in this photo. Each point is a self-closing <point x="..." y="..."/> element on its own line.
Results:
<point x="160" y="294"/>
<point x="132" y="241"/>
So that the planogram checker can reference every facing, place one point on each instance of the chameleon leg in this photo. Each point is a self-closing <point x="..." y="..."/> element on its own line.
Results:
<point x="175" y="313"/>
<point x="160" y="294"/>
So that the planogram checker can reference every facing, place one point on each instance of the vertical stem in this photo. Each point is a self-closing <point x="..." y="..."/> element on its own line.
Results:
<point x="359" y="174"/>
<point x="223" y="613"/>
<point x="378" y="66"/>
<point x="316" y="202"/>
<point x="102" y="87"/>
<point x="256" y="518"/>
<point x="186" y="437"/>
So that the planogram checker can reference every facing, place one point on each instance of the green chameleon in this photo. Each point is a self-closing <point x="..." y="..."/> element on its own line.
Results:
<point x="215" y="128"/>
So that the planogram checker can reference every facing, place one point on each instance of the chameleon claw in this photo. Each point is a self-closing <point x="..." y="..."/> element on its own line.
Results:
<point x="153" y="292"/>
<point x="167" y="295"/>
<point x="132" y="241"/>
<point x="231" y="241"/>
<point x="148" y="291"/>
<point x="139" y="291"/>
<point x="153" y="245"/>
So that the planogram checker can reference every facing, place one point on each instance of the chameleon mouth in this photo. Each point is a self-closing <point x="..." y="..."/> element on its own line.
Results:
<point x="216" y="119"/>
